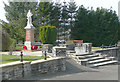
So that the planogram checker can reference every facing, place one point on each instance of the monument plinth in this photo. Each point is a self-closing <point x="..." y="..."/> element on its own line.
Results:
<point x="118" y="43"/>
<point x="29" y="32"/>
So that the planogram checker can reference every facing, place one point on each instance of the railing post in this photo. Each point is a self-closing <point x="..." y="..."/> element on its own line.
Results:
<point x="45" y="56"/>
<point x="102" y="46"/>
<point x="21" y="60"/>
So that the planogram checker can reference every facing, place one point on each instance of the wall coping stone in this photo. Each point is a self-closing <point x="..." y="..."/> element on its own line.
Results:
<point x="28" y="62"/>
<point x="107" y="49"/>
<point x="59" y="47"/>
<point x="14" y="64"/>
<point x="49" y="59"/>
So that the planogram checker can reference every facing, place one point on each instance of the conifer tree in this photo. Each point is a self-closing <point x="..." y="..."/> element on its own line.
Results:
<point x="16" y="16"/>
<point x="64" y="18"/>
<point x="98" y="27"/>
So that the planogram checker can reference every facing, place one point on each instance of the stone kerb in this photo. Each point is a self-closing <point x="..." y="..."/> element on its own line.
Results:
<point x="17" y="70"/>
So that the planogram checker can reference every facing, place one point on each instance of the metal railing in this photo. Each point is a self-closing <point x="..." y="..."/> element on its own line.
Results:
<point x="10" y="58"/>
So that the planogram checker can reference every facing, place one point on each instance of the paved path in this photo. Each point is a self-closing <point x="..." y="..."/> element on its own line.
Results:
<point x="77" y="72"/>
<point x="36" y="53"/>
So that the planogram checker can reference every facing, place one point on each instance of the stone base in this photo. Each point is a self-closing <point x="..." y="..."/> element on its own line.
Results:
<point x="84" y="48"/>
<point x="29" y="45"/>
<point x="27" y="50"/>
<point x="59" y="51"/>
<point x="30" y="50"/>
<point x="118" y="44"/>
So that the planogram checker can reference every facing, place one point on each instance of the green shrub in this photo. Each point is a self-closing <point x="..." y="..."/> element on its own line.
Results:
<point x="7" y="42"/>
<point x="48" y="34"/>
<point x="12" y="44"/>
<point x="39" y="46"/>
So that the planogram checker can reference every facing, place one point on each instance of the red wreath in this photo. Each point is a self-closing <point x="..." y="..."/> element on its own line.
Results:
<point x="24" y="47"/>
<point x="34" y="47"/>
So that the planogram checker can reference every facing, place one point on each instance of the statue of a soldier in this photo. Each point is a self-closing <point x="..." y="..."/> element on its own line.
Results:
<point x="29" y="14"/>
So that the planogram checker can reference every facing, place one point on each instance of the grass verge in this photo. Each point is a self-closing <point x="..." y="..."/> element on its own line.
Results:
<point x="13" y="58"/>
<point x="96" y="48"/>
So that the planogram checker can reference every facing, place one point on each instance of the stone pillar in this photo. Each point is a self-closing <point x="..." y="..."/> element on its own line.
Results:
<point x="29" y="32"/>
<point x="84" y="48"/>
<point x="118" y="44"/>
<point x="59" y="51"/>
<point x="29" y="38"/>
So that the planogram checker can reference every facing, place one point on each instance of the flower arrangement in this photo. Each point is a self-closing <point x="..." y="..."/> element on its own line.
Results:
<point x="34" y="47"/>
<point x="24" y="47"/>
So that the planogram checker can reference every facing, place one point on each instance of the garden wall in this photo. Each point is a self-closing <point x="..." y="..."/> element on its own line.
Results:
<point x="17" y="70"/>
<point x="114" y="52"/>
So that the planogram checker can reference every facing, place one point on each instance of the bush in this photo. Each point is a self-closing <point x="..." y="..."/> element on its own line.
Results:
<point x="12" y="45"/>
<point x="39" y="46"/>
<point x="48" y="34"/>
<point x="7" y="42"/>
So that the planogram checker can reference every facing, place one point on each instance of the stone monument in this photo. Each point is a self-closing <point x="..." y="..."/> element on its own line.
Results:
<point x="59" y="51"/>
<point x="29" y="32"/>
<point x="84" y="48"/>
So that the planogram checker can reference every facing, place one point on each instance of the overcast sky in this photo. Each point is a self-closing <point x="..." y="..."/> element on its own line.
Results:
<point x="86" y="3"/>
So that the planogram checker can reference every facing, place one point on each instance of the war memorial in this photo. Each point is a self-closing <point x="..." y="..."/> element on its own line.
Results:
<point x="66" y="61"/>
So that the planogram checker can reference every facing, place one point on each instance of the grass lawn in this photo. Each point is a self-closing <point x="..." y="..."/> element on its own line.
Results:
<point x="18" y="47"/>
<point x="12" y="58"/>
<point x="96" y="48"/>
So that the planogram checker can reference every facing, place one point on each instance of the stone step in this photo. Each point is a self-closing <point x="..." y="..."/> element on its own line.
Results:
<point x="84" y="54"/>
<point x="90" y="59"/>
<point x="94" y="58"/>
<point x="87" y="56"/>
<point x="103" y="63"/>
<point x="98" y="61"/>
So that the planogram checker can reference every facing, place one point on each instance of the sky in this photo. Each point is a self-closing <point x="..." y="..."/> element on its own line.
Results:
<point x="86" y="3"/>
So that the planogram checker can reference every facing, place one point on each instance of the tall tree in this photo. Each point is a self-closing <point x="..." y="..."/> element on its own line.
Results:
<point x="72" y="9"/>
<point x="55" y="17"/>
<point x="55" y="12"/>
<point x="64" y="18"/>
<point x="16" y="16"/>
<point x="79" y="25"/>
<point x="99" y="27"/>
<point x="119" y="32"/>
<point x="48" y="14"/>
<point x="43" y="13"/>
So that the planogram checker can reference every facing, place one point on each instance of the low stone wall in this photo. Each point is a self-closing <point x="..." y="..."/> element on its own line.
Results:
<point x="114" y="52"/>
<point x="70" y="47"/>
<point x="17" y="70"/>
<point x="53" y="65"/>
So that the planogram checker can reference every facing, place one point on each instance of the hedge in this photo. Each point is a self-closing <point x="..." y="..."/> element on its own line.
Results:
<point x="48" y="34"/>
